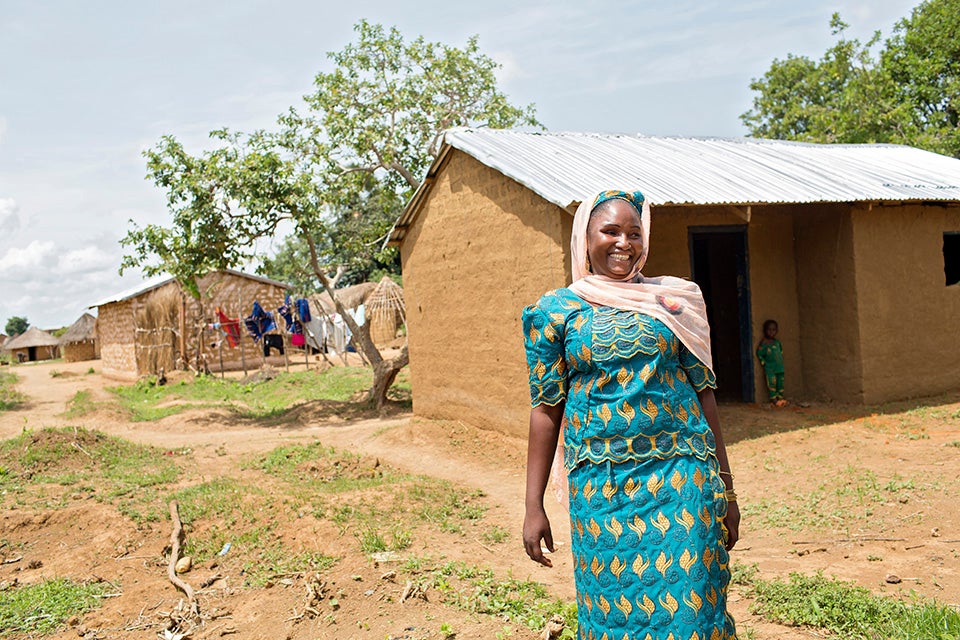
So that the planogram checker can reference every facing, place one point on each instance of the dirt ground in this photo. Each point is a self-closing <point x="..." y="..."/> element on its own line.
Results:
<point x="863" y="494"/>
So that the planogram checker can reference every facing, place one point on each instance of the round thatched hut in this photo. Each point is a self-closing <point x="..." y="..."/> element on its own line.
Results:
<point x="32" y="345"/>
<point x="80" y="340"/>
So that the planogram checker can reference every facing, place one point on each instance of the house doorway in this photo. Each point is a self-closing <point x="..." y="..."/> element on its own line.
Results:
<point x="718" y="261"/>
<point x="32" y="354"/>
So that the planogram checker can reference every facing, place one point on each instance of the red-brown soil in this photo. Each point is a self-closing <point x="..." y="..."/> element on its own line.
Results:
<point x="860" y="494"/>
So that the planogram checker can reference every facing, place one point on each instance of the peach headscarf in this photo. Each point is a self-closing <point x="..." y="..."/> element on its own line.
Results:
<point x="676" y="302"/>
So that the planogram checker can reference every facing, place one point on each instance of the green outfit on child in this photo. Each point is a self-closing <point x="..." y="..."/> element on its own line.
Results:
<point x="771" y="357"/>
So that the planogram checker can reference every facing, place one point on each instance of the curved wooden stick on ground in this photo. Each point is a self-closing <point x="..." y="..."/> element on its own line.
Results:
<point x="175" y="539"/>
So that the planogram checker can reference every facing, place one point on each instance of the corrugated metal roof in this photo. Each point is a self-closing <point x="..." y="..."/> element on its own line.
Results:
<point x="158" y="281"/>
<point x="564" y="167"/>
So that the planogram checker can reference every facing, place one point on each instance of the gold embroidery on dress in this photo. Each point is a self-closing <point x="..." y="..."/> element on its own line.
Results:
<point x="669" y="603"/>
<point x="661" y="523"/>
<point x="609" y="489"/>
<point x="617" y="566"/>
<point x="685" y="519"/>
<point x="687" y="560"/>
<point x="647" y="605"/>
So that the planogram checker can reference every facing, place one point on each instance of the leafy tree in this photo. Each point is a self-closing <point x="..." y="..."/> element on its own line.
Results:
<point x="353" y="240"/>
<point x="337" y="171"/>
<point x="907" y="94"/>
<point x="16" y="325"/>
<point x="923" y="60"/>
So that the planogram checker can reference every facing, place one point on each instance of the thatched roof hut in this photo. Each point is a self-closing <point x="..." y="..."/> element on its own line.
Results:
<point x="385" y="311"/>
<point x="79" y="342"/>
<point x="32" y="345"/>
<point x="351" y="297"/>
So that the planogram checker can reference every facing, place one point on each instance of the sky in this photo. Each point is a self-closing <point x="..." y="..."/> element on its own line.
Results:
<point x="86" y="87"/>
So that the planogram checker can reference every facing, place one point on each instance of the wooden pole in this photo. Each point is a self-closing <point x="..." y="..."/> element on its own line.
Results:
<point x="243" y="357"/>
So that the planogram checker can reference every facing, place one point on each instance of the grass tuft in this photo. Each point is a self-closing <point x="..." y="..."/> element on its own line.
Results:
<point x="42" y="608"/>
<point x="846" y="609"/>
<point x="10" y="398"/>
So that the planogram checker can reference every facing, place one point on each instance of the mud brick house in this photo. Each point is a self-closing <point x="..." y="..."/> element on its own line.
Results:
<point x="32" y="345"/>
<point x="853" y="249"/>
<point x="79" y="342"/>
<point x="158" y="325"/>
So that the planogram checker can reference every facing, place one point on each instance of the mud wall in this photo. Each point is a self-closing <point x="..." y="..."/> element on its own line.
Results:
<point x="481" y="248"/>
<point x="79" y="351"/>
<point x="235" y="295"/>
<point x="908" y="314"/>
<point x="140" y="336"/>
<point x="115" y="331"/>
<point x="829" y="303"/>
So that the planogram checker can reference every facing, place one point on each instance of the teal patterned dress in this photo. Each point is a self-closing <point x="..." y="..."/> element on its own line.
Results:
<point x="646" y="499"/>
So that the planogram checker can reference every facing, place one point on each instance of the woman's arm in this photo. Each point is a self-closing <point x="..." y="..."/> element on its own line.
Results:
<point x="541" y="445"/>
<point x="709" y="403"/>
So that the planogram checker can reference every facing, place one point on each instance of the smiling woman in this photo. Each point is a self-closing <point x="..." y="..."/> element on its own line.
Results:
<point x="614" y="238"/>
<point x="621" y="377"/>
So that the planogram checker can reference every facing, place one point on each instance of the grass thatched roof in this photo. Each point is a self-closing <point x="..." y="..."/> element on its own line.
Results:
<point x="32" y="337"/>
<point x="351" y="297"/>
<point x="83" y="330"/>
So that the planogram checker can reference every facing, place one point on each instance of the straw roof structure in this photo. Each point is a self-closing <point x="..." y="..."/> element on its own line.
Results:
<point x="83" y="330"/>
<point x="388" y="296"/>
<point x="351" y="297"/>
<point x="32" y="337"/>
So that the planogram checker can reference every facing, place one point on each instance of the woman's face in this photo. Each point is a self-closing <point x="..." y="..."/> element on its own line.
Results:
<point x="614" y="239"/>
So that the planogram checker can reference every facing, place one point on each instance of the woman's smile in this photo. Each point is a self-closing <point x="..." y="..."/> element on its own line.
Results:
<point x="614" y="239"/>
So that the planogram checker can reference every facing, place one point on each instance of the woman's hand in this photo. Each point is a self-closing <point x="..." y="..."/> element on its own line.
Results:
<point x="536" y="527"/>
<point x="732" y="522"/>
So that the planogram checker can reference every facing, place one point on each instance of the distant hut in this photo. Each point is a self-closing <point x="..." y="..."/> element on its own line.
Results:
<point x="159" y="326"/>
<point x="385" y="311"/>
<point x="80" y="343"/>
<point x="33" y="345"/>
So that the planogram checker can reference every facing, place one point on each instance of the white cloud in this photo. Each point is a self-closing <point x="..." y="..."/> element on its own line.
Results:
<point x="3" y="127"/>
<point x="85" y="260"/>
<point x="9" y="220"/>
<point x="35" y="255"/>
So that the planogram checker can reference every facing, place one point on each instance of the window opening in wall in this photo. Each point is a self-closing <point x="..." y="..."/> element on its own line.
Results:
<point x="951" y="257"/>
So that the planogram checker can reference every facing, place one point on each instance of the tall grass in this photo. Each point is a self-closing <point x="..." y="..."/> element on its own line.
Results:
<point x="9" y="396"/>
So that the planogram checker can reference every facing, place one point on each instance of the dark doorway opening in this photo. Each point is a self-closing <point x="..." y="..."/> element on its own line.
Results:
<point x="718" y="257"/>
<point x="32" y="354"/>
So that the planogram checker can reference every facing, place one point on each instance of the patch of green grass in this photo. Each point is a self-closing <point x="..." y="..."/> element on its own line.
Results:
<point x="80" y="404"/>
<point x="320" y="468"/>
<point x="839" y="502"/>
<point x="112" y="469"/>
<point x="495" y="535"/>
<point x="223" y="498"/>
<point x="851" y="611"/>
<point x="42" y="608"/>
<point x="10" y="398"/>
<point x="277" y="561"/>
<point x="479" y="591"/>
<point x="257" y="400"/>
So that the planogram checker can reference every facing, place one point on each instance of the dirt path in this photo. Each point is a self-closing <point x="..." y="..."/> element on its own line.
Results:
<point x="857" y="494"/>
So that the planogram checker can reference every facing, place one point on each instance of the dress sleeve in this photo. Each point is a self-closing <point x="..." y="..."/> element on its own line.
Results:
<point x="699" y="375"/>
<point x="543" y="335"/>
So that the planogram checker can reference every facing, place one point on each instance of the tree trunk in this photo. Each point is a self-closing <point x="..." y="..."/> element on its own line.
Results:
<point x="384" y="371"/>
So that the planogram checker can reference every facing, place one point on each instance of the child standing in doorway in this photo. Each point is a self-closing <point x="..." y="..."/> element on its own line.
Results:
<point x="770" y="353"/>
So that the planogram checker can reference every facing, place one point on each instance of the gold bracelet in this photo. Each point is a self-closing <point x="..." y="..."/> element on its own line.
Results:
<point x="730" y="495"/>
<point x="727" y="473"/>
